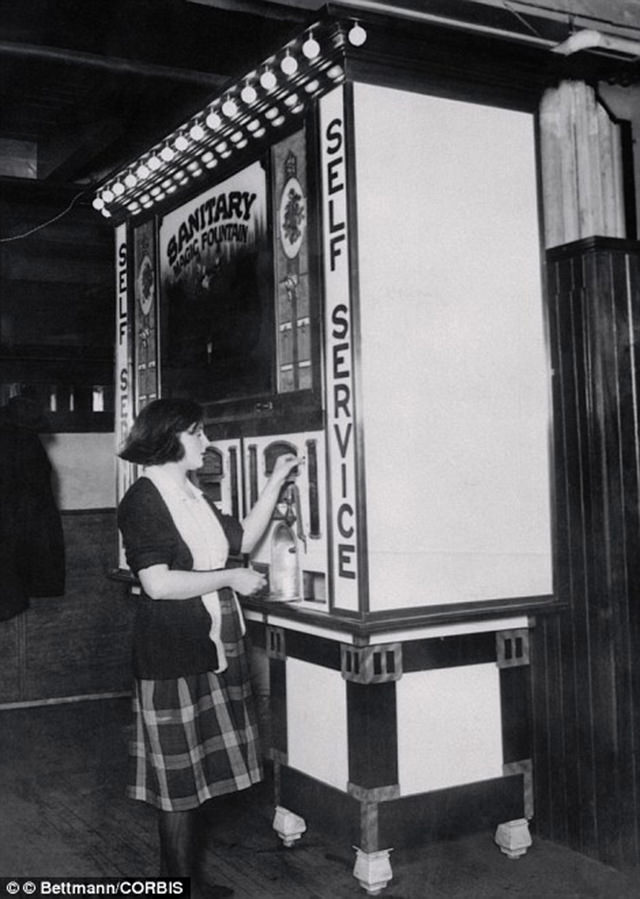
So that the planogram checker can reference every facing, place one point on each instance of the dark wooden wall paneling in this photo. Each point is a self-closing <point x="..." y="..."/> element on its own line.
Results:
<point x="79" y="643"/>
<point x="586" y="661"/>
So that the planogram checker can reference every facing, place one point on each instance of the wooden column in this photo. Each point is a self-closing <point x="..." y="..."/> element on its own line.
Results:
<point x="581" y="157"/>
<point x="586" y="661"/>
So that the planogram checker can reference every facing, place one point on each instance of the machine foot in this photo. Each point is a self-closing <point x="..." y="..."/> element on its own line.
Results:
<point x="513" y="837"/>
<point x="288" y="825"/>
<point x="372" y="870"/>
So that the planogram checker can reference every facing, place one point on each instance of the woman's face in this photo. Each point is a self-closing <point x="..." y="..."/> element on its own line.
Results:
<point x="194" y="442"/>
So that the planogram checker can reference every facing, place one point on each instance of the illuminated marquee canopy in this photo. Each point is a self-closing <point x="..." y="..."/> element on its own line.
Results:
<point x="263" y="99"/>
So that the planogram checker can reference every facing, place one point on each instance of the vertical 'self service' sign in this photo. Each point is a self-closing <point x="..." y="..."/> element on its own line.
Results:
<point x="339" y="357"/>
<point x="124" y="400"/>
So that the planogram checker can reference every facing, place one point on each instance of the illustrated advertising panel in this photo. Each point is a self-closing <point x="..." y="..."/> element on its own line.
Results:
<point x="216" y="282"/>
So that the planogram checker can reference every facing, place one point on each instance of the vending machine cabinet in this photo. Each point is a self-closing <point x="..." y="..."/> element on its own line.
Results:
<point x="343" y="263"/>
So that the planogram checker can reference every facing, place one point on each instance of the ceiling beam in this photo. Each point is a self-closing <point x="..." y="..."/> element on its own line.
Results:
<point x="290" y="10"/>
<point x="110" y="64"/>
<point x="60" y="157"/>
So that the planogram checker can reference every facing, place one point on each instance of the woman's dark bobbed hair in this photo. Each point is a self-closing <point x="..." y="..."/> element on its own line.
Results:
<point x="154" y="437"/>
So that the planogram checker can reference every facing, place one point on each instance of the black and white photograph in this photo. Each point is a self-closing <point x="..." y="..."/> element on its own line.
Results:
<point x="320" y="436"/>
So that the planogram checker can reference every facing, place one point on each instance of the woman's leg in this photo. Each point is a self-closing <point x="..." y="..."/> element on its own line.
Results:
<point x="178" y="842"/>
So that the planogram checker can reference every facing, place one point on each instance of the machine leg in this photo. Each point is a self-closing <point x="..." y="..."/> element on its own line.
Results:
<point x="372" y="870"/>
<point x="288" y="825"/>
<point x="513" y="837"/>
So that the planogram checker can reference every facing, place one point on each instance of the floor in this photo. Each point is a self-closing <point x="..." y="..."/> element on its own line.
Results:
<point x="63" y="814"/>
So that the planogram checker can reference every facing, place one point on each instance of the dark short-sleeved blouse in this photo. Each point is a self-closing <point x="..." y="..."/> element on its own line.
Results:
<point x="171" y="637"/>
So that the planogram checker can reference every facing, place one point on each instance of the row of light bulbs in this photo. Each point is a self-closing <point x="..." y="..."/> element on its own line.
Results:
<point x="214" y="121"/>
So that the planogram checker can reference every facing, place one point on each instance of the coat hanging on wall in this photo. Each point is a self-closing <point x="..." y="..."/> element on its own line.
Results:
<point x="32" y="556"/>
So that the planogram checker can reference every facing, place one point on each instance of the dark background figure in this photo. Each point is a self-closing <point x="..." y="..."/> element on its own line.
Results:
<point x="32" y="552"/>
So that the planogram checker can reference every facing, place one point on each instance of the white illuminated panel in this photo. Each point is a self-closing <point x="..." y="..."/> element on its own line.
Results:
<point x="454" y="370"/>
<point x="449" y="728"/>
<point x="317" y="723"/>
<point x="85" y="467"/>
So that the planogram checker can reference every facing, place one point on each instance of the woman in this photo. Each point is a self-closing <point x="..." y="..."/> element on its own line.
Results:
<point x="196" y="735"/>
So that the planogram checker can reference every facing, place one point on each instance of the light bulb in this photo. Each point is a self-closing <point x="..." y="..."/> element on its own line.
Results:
<point x="131" y="180"/>
<point x="106" y="213"/>
<point x="213" y="120"/>
<point x="167" y="153"/>
<point x="98" y="203"/>
<point x="197" y="132"/>
<point x="142" y="171"/>
<point x="248" y="93"/>
<point x="107" y="196"/>
<point x="229" y="108"/>
<point x="357" y="35"/>
<point x="289" y="64"/>
<point x="311" y="48"/>
<point x="154" y="163"/>
<point x="118" y="189"/>
<point x="268" y="80"/>
<point x="181" y="143"/>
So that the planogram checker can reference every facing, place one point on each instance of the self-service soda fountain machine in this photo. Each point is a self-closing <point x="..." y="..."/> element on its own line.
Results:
<point x="338" y="256"/>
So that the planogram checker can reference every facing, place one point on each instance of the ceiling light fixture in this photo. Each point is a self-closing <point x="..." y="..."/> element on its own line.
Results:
<point x="289" y="64"/>
<point x="213" y="120"/>
<point x="357" y="35"/>
<point x="229" y="107"/>
<point x="268" y="80"/>
<point x="311" y="48"/>
<point x="249" y="93"/>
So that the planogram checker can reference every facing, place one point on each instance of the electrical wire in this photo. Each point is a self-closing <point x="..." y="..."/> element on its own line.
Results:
<point x="47" y="223"/>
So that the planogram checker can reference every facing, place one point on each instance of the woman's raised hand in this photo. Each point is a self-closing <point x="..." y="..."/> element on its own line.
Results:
<point x="284" y="466"/>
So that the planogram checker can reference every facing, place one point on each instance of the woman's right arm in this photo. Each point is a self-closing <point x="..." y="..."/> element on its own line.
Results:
<point x="149" y="538"/>
<point x="162" y="582"/>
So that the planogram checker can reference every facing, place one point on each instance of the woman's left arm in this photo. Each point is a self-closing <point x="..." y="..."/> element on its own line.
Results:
<point x="258" y="518"/>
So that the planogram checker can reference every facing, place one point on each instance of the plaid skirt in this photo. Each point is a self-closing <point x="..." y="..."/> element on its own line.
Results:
<point x="196" y="737"/>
